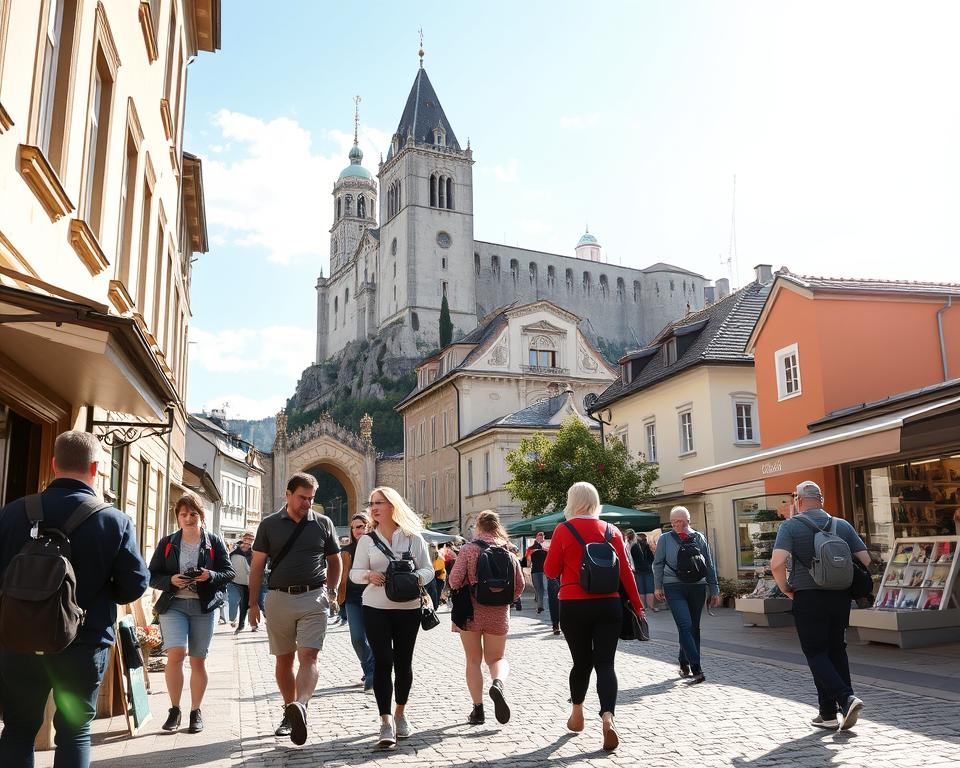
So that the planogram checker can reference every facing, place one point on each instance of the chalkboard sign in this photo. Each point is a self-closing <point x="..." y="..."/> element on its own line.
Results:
<point x="138" y="707"/>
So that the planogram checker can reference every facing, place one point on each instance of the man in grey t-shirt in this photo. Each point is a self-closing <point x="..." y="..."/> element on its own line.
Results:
<point x="821" y="615"/>
<point x="303" y="583"/>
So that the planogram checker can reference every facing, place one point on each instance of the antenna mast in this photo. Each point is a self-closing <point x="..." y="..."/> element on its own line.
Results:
<point x="356" y="118"/>
<point x="732" y="266"/>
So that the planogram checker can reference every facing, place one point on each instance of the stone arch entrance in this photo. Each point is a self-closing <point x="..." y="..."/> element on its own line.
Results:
<point x="328" y="447"/>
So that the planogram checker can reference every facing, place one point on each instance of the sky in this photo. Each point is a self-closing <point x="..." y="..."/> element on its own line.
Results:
<point x="836" y="123"/>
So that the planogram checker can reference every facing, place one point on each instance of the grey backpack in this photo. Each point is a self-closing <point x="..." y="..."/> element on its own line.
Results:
<point x="832" y="564"/>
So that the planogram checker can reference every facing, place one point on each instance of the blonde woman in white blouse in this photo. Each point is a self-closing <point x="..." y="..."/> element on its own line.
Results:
<point x="391" y="627"/>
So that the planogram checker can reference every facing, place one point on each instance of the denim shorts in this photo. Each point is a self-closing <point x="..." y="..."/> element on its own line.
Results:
<point x="644" y="583"/>
<point x="184" y="625"/>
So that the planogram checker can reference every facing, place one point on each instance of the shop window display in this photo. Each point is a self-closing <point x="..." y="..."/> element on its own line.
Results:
<point x="921" y="575"/>
<point x="757" y="520"/>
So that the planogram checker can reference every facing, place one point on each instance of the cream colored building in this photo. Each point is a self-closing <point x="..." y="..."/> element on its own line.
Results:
<point x="101" y="212"/>
<point x="518" y="356"/>
<point x="688" y="401"/>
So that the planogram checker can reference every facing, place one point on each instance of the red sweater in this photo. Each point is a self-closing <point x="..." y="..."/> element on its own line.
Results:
<point x="565" y="554"/>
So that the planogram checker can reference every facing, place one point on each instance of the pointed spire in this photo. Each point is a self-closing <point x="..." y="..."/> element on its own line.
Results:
<point x="356" y="118"/>
<point x="421" y="47"/>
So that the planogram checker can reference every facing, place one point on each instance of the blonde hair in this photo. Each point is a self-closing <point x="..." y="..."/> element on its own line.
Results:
<point x="488" y="521"/>
<point x="582" y="501"/>
<point x="405" y="518"/>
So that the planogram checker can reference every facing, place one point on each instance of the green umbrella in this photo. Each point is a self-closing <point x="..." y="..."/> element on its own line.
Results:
<point x="521" y="527"/>
<point x="622" y="517"/>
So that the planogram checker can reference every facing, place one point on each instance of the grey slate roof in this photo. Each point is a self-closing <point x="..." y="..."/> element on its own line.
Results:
<point x="721" y="333"/>
<point x="536" y="416"/>
<point x="869" y="285"/>
<point x="662" y="266"/>
<point x="422" y="113"/>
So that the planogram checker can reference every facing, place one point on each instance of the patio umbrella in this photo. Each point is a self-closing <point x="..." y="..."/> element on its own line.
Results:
<point x="622" y="517"/>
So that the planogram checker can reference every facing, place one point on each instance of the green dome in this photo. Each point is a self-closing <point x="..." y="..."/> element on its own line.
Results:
<point x="587" y="239"/>
<point x="355" y="170"/>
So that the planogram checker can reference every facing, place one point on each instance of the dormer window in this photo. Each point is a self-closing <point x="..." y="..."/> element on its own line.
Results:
<point x="670" y="351"/>
<point x="542" y="353"/>
<point x="440" y="136"/>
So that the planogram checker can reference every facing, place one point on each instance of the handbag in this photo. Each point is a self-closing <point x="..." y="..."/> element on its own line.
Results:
<point x="428" y="617"/>
<point x="634" y="627"/>
<point x="402" y="583"/>
<point x="862" y="585"/>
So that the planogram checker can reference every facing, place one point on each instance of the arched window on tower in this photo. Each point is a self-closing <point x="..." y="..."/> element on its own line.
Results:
<point x="338" y="209"/>
<point x="399" y="196"/>
<point x="449" y="193"/>
<point x="586" y="284"/>
<point x="533" y="273"/>
<point x="551" y="277"/>
<point x="636" y="292"/>
<point x="514" y="270"/>
<point x="362" y="207"/>
<point x="604" y="287"/>
<point x="336" y="309"/>
<point x="346" y="298"/>
<point x="476" y="263"/>
<point x="348" y="205"/>
<point x="621" y="289"/>
<point x="495" y="265"/>
<point x="433" y="190"/>
<point x="442" y="192"/>
<point x="569" y="279"/>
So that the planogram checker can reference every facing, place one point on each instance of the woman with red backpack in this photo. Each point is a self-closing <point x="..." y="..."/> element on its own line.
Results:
<point x="492" y="575"/>
<point x="588" y="557"/>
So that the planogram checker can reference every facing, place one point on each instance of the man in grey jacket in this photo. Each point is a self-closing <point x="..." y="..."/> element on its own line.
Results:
<point x="683" y="571"/>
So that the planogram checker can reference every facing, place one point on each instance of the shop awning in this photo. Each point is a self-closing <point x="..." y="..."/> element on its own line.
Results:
<point x="871" y="438"/>
<point x="84" y="355"/>
<point x="622" y="517"/>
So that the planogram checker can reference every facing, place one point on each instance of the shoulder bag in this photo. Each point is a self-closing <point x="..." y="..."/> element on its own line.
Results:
<point x="288" y="544"/>
<point x="402" y="584"/>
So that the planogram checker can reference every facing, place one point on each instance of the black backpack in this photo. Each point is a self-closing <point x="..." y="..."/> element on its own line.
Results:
<point x="39" y="588"/>
<point x="691" y="564"/>
<point x="599" y="566"/>
<point x="402" y="584"/>
<point x="495" y="574"/>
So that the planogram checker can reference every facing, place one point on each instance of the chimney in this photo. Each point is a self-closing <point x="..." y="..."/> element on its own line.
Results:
<point x="723" y="288"/>
<point x="708" y="294"/>
<point x="764" y="273"/>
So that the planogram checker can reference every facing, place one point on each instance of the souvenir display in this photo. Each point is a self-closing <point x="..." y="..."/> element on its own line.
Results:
<point x="921" y="575"/>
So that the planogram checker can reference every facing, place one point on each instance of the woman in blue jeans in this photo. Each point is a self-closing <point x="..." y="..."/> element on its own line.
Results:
<point x="685" y="595"/>
<point x="192" y="568"/>
<point x="351" y="597"/>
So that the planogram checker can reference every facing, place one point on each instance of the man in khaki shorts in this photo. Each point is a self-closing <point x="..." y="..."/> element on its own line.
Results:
<point x="304" y="573"/>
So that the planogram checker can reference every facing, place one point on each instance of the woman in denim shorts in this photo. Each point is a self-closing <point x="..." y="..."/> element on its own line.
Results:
<point x="192" y="568"/>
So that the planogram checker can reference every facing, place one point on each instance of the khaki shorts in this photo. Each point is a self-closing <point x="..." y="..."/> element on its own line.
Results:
<point x="295" y="621"/>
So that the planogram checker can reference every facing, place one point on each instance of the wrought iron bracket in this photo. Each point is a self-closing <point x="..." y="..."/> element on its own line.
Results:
<point x="116" y="433"/>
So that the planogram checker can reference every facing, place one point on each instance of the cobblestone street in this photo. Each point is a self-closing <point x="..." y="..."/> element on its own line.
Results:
<point x="749" y="713"/>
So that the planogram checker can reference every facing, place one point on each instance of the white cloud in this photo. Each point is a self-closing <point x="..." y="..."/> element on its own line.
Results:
<point x="509" y="173"/>
<point x="267" y="188"/>
<point x="284" y="350"/>
<point x="578" y="122"/>
<point x="243" y="407"/>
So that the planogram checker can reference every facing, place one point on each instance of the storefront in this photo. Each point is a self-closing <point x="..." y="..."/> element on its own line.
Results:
<point x="756" y="520"/>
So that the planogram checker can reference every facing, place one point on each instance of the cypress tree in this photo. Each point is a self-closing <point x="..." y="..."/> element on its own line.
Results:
<point x="446" y="324"/>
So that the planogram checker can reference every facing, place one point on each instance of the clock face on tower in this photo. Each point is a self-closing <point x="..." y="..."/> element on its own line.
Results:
<point x="443" y="240"/>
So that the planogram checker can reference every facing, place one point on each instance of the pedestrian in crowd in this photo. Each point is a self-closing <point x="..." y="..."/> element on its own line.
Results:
<point x="820" y="615"/>
<point x="591" y="622"/>
<point x="515" y="550"/>
<point x="304" y="573"/>
<point x="108" y="569"/>
<point x="350" y="598"/>
<point x="241" y="559"/>
<point x="439" y="576"/>
<point x="685" y="593"/>
<point x="192" y="568"/>
<point x="392" y="627"/>
<point x="484" y="636"/>
<point x="232" y="606"/>
<point x="535" y="556"/>
<point x="642" y="556"/>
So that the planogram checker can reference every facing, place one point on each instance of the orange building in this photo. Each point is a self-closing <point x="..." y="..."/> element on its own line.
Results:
<point x="837" y="363"/>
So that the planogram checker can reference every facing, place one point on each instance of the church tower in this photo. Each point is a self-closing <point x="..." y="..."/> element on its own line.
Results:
<point x="426" y="215"/>
<point x="354" y="204"/>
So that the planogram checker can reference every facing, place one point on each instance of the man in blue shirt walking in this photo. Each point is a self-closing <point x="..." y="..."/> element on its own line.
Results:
<point x="109" y="570"/>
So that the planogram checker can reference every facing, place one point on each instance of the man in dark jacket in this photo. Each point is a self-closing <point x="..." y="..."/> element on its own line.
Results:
<point x="109" y="570"/>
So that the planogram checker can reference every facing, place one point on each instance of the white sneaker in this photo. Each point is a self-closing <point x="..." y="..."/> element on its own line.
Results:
<point x="388" y="736"/>
<point x="403" y="727"/>
<point x="848" y="718"/>
<point x="830" y="725"/>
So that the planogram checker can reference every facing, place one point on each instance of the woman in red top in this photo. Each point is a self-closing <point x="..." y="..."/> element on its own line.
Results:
<point x="484" y="637"/>
<point x="590" y="622"/>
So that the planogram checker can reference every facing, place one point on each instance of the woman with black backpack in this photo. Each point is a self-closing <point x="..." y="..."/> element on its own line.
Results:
<point x="493" y="577"/>
<point x="394" y="562"/>
<point x="588" y="557"/>
<point x="682" y="572"/>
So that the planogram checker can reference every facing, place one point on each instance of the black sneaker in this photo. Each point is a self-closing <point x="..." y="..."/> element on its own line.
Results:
<point x="284" y="728"/>
<point x="500" y="707"/>
<point x="696" y="679"/>
<point x="849" y="713"/>
<point x="684" y="670"/>
<point x="196" y="721"/>
<point x="476" y="715"/>
<point x="173" y="719"/>
<point x="827" y="723"/>
<point x="297" y="717"/>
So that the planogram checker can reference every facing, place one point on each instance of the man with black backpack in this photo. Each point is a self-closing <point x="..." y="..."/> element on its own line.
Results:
<point x="822" y="549"/>
<point x="66" y="621"/>
<point x="683" y="572"/>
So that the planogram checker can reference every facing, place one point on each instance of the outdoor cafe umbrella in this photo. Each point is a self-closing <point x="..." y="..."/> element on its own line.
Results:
<point x="622" y="517"/>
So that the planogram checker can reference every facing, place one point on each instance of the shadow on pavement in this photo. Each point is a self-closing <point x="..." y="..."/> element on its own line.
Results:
<point x="808" y="750"/>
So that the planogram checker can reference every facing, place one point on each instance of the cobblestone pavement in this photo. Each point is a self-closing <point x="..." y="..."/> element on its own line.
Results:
<point x="750" y="712"/>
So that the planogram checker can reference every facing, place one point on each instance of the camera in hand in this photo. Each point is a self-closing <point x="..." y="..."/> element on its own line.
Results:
<point x="192" y="573"/>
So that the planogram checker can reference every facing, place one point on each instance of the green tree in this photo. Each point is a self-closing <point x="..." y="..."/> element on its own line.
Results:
<point x="446" y="324"/>
<point x="544" y="469"/>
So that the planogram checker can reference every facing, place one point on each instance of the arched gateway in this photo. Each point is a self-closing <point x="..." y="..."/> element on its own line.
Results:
<point x="328" y="447"/>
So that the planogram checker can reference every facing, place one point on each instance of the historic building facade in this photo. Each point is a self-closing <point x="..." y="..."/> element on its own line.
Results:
<point x="398" y="272"/>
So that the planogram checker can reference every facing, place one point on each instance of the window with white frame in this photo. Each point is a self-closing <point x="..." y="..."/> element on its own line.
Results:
<point x="745" y="428"/>
<point x="650" y="432"/>
<point x="469" y="477"/>
<point x="420" y="448"/>
<point x="433" y="433"/>
<point x="623" y="435"/>
<point x="435" y="498"/>
<point x="788" y="372"/>
<point x="486" y="472"/>
<point x="446" y="440"/>
<point x="686" y="432"/>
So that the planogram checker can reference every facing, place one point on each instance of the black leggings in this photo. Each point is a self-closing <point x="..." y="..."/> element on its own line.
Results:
<point x="392" y="634"/>
<point x="244" y="604"/>
<point x="592" y="629"/>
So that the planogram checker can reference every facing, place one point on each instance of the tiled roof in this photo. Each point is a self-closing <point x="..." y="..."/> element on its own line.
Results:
<point x="869" y="285"/>
<point x="536" y="416"/>
<point x="662" y="266"/>
<point x="422" y="113"/>
<point x="721" y="332"/>
<point x="860" y="411"/>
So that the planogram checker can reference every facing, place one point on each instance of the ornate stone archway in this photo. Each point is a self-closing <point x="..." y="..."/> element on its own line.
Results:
<point x="325" y="445"/>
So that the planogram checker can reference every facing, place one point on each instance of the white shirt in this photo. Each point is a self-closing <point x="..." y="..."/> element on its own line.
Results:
<point x="369" y="558"/>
